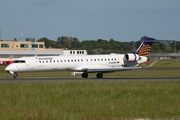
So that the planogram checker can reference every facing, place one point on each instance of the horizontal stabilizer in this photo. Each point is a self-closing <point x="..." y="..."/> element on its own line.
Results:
<point x="148" y="39"/>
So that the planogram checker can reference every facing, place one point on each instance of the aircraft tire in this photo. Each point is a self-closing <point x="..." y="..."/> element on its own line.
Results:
<point x="84" y="75"/>
<point x="15" y="76"/>
<point x="99" y="75"/>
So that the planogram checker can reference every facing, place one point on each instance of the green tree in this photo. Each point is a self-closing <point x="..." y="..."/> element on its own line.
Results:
<point x="65" y="41"/>
<point x="75" y="44"/>
<point x="48" y="43"/>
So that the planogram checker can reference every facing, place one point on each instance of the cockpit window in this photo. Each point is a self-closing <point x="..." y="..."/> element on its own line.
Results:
<point x="19" y="61"/>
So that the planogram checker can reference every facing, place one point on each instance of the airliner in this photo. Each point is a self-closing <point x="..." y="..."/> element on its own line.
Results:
<point x="6" y="62"/>
<point x="86" y="64"/>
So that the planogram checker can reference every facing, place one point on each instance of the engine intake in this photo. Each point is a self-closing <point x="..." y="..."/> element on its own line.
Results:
<point x="131" y="57"/>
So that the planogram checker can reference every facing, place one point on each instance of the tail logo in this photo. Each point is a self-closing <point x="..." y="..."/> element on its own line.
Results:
<point x="144" y="50"/>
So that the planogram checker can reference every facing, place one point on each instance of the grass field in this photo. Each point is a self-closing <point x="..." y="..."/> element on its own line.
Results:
<point x="92" y="100"/>
<point x="89" y="100"/>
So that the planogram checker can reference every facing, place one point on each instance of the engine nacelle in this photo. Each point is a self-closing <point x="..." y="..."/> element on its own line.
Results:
<point x="131" y="57"/>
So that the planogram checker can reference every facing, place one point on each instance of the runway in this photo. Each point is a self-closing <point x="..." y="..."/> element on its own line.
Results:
<point x="118" y="79"/>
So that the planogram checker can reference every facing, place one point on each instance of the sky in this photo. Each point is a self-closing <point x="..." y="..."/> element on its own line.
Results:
<point x="121" y="20"/>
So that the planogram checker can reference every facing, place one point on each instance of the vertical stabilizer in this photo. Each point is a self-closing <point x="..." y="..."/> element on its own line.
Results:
<point x="145" y="46"/>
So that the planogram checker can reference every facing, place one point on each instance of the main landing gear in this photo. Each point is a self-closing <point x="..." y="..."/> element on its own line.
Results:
<point x="98" y="75"/>
<point x="15" y="75"/>
<point x="84" y="75"/>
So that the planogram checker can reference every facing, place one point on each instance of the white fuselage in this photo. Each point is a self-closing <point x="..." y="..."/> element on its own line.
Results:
<point x="72" y="63"/>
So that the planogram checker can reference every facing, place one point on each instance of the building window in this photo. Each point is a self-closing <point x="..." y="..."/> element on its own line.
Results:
<point x="34" y="45"/>
<point x="4" y="45"/>
<point x="24" y="45"/>
<point x="41" y="46"/>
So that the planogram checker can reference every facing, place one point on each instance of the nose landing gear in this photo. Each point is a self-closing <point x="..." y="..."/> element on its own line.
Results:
<point x="15" y="75"/>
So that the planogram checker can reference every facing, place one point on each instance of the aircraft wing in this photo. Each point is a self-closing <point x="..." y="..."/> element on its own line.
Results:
<point x="108" y="69"/>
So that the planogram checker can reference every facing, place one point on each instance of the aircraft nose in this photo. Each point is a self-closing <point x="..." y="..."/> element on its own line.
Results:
<point x="7" y="68"/>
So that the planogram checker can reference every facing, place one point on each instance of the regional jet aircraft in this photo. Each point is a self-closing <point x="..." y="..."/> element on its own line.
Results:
<point x="86" y="64"/>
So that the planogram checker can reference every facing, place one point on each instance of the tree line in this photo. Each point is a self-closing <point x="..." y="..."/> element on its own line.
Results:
<point x="102" y="46"/>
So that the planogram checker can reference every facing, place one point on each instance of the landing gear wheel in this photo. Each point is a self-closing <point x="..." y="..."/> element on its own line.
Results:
<point x="99" y="75"/>
<point x="84" y="75"/>
<point x="15" y="75"/>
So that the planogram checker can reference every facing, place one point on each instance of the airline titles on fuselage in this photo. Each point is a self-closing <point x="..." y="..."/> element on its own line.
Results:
<point x="45" y="58"/>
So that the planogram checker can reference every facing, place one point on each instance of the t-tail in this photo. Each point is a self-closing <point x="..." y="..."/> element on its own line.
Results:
<point x="146" y="46"/>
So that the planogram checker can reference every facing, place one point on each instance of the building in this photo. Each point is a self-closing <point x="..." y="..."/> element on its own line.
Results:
<point x="13" y="49"/>
<point x="21" y="45"/>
